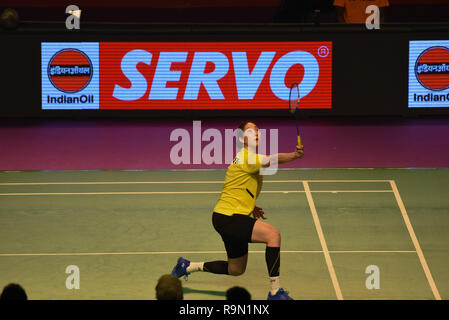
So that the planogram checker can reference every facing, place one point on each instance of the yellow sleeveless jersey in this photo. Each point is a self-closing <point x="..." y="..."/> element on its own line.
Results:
<point x="242" y="184"/>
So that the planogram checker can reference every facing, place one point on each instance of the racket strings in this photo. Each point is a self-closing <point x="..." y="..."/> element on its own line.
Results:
<point x="294" y="98"/>
<point x="294" y="105"/>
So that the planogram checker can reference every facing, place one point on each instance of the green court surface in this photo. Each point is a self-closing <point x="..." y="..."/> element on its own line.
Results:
<point x="124" y="229"/>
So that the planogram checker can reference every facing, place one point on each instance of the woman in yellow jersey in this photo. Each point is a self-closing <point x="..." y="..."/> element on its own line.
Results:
<point x="232" y="215"/>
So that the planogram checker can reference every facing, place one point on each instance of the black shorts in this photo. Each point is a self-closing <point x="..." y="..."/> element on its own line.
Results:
<point x="236" y="231"/>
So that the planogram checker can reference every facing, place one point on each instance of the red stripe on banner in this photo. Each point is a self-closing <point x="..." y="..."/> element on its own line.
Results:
<point x="435" y="81"/>
<point x="70" y="57"/>
<point x="70" y="84"/>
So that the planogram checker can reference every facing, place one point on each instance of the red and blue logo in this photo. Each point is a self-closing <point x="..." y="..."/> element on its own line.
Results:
<point x="432" y="68"/>
<point x="70" y="70"/>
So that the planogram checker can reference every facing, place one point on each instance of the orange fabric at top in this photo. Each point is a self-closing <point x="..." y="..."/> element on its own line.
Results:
<point x="355" y="9"/>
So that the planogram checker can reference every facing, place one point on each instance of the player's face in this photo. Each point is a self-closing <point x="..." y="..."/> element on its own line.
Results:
<point x="251" y="135"/>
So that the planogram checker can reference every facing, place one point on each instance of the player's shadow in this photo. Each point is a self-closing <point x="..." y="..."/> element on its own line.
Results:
<point x="208" y="292"/>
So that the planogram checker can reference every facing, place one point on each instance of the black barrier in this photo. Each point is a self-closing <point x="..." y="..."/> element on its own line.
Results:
<point x="258" y="309"/>
<point x="369" y="76"/>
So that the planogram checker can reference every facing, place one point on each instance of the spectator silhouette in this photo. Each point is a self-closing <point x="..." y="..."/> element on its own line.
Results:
<point x="13" y="291"/>
<point x="169" y="287"/>
<point x="292" y="11"/>
<point x="9" y="19"/>
<point x="237" y="293"/>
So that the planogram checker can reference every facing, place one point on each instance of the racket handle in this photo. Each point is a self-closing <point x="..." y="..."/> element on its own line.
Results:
<point x="299" y="141"/>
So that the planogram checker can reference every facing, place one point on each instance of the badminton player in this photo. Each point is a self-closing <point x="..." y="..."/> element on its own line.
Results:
<point x="232" y="215"/>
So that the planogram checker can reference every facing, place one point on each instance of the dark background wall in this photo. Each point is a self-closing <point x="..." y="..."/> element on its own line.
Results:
<point x="369" y="67"/>
<point x="218" y="11"/>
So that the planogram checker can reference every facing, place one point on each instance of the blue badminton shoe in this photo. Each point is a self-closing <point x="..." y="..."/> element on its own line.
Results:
<point x="280" y="295"/>
<point x="181" y="268"/>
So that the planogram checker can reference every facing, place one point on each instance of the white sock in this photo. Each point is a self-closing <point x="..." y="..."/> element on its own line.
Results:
<point x="195" y="266"/>
<point x="275" y="284"/>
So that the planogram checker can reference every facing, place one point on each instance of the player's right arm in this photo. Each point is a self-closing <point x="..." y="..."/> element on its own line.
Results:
<point x="285" y="157"/>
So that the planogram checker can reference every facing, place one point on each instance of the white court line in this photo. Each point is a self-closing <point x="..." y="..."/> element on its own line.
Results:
<point x="108" y="193"/>
<point x="346" y="191"/>
<point x="175" y="192"/>
<point x="420" y="253"/>
<point x="168" y="182"/>
<point x="327" y="181"/>
<point x="131" y="182"/>
<point x="373" y="251"/>
<point x="181" y="253"/>
<point x="327" y="256"/>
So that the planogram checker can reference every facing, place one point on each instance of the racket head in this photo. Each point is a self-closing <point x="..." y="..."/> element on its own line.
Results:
<point x="293" y="98"/>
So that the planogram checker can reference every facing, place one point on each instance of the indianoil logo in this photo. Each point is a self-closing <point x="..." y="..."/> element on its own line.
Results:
<point x="70" y="70"/>
<point x="432" y="68"/>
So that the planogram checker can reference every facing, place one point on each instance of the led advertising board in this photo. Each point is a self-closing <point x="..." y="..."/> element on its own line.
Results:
<point x="184" y="75"/>
<point x="428" y="77"/>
